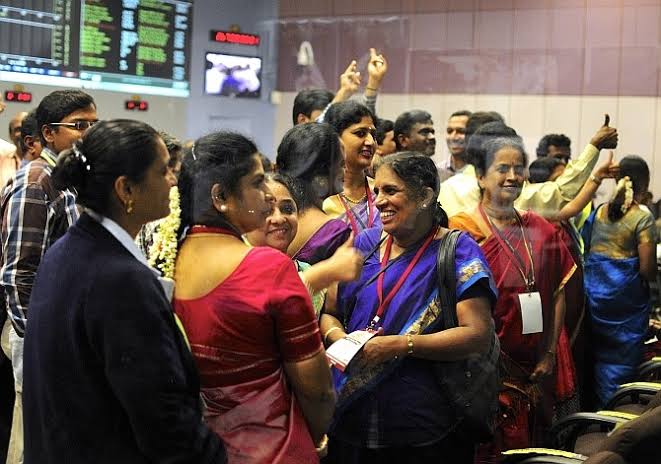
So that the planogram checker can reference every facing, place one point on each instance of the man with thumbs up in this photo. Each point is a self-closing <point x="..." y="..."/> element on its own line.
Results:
<point x="547" y="198"/>
<point x="544" y="198"/>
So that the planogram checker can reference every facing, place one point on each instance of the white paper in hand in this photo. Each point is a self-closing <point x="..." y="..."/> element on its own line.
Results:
<point x="344" y="350"/>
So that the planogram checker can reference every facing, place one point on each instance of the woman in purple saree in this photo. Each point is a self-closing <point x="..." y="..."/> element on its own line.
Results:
<point x="311" y="154"/>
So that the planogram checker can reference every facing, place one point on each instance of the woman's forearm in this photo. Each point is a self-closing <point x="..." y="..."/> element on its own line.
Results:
<point x="331" y="329"/>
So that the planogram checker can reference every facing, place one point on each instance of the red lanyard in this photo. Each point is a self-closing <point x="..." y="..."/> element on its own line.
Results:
<point x="370" y="210"/>
<point x="528" y="275"/>
<point x="213" y="230"/>
<point x="383" y="303"/>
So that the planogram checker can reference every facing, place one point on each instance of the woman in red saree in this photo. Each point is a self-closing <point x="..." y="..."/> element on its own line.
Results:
<point x="264" y="376"/>
<point x="531" y="266"/>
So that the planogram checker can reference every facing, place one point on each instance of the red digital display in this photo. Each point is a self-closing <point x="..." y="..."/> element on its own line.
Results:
<point x="235" y="38"/>
<point x="136" y="105"/>
<point x="18" y="97"/>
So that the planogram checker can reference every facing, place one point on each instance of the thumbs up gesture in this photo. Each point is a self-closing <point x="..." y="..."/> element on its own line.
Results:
<point x="606" y="136"/>
<point x="346" y="264"/>
<point x="607" y="169"/>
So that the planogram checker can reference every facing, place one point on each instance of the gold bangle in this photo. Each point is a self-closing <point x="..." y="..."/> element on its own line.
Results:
<point x="409" y="344"/>
<point x="370" y="88"/>
<point x="595" y="179"/>
<point x="328" y="333"/>
<point x="323" y="444"/>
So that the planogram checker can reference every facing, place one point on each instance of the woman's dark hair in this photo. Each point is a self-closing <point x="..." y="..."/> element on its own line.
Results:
<point x="311" y="154"/>
<point x="418" y="172"/>
<point x="108" y="150"/>
<point x="218" y="158"/>
<point x="344" y="114"/>
<point x="492" y="145"/>
<point x="541" y="169"/>
<point x="474" y="151"/>
<point x="635" y="168"/>
<point x="288" y="182"/>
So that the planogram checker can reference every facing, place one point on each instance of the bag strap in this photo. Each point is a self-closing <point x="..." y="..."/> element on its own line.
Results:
<point x="446" y="278"/>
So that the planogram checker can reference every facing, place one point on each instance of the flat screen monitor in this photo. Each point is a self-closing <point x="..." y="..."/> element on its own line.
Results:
<point x="136" y="46"/>
<point x="233" y="75"/>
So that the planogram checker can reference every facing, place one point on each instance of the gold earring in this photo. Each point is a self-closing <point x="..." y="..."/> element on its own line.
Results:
<point x="223" y="208"/>
<point x="129" y="207"/>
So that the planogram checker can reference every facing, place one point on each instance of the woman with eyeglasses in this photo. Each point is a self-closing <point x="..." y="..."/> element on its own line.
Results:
<point x="108" y="375"/>
<point x="531" y="266"/>
<point x="252" y="330"/>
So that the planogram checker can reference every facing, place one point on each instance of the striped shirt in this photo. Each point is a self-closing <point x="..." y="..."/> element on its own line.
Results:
<point x="34" y="215"/>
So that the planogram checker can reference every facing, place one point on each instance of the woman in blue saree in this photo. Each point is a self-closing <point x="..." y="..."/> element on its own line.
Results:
<point x="391" y="407"/>
<point x="620" y="241"/>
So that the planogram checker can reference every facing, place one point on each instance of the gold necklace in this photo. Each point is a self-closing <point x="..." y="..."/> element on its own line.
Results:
<point x="351" y="200"/>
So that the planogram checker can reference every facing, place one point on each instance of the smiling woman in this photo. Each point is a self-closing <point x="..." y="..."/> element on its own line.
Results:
<point x="354" y="123"/>
<point x="102" y="335"/>
<point x="531" y="266"/>
<point x="393" y="380"/>
<point x="248" y="316"/>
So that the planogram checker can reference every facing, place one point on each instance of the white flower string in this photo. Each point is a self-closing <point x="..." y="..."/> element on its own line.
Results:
<point x="79" y="156"/>
<point x="625" y="184"/>
<point x="163" y="251"/>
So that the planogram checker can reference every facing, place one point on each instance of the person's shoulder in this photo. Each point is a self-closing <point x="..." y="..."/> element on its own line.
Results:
<point x="368" y="238"/>
<point x="266" y="259"/>
<point x="534" y="220"/>
<point x="6" y="148"/>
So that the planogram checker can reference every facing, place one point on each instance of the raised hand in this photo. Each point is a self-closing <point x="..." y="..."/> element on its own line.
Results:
<point x="606" y="136"/>
<point x="376" y="69"/>
<point x="607" y="169"/>
<point x="349" y="80"/>
<point x="346" y="264"/>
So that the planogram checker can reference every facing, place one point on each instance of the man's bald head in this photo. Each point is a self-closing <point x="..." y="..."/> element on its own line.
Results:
<point x="15" y="128"/>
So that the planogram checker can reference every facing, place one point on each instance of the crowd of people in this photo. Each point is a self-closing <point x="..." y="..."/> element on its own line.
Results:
<point x="171" y="304"/>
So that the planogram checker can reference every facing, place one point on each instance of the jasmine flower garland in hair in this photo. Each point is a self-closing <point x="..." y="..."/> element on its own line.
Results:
<point x="163" y="251"/>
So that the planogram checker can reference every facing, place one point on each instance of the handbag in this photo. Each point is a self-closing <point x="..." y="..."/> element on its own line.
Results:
<point x="472" y="384"/>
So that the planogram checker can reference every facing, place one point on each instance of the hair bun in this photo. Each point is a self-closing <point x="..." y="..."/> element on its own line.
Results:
<point x="71" y="169"/>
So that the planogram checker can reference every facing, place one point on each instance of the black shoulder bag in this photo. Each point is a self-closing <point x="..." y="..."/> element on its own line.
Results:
<point x="471" y="384"/>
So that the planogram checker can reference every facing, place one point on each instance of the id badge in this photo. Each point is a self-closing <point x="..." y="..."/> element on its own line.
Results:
<point x="531" y="312"/>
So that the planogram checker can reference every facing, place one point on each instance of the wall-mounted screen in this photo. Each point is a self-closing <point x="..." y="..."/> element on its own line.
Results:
<point x="233" y="75"/>
<point x="137" y="46"/>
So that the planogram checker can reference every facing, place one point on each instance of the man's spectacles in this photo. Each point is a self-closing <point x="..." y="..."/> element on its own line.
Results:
<point x="78" y="125"/>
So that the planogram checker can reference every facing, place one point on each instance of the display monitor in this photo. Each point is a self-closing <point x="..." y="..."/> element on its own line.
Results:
<point x="233" y="75"/>
<point x="136" y="46"/>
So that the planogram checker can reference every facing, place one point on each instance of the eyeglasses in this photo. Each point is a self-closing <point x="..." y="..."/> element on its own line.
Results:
<point x="78" y="125"/>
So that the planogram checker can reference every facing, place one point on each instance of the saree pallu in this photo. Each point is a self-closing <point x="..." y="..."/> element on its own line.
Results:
<point x="400" y="403"/>
<point x="529" y="406"/>
<point x="359" y="217"/>
<point x="259" y="422"/>
<point x="619" y="307"/>
<point x="324" y="242"/>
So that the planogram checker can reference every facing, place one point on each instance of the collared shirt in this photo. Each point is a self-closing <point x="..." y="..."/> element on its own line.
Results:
<point x="34" y="215"/>
<point x="127" y="242"/>
<point x="447" y="170"/>
<point x="462" y="193"/>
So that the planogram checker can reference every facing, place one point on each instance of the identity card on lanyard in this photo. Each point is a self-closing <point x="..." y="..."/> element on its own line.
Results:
<point x="531" y="312"/>
<point x="532" y="318"/>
